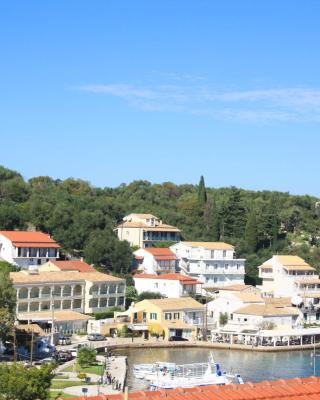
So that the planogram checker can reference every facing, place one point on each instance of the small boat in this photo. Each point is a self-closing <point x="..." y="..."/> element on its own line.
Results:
<point x="191" y="375"/>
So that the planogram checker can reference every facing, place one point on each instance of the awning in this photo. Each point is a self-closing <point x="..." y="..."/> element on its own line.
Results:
<point x="138" y="327"/>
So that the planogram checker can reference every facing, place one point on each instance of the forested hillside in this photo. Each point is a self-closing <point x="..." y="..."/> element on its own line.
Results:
<point x="81" y="217"/>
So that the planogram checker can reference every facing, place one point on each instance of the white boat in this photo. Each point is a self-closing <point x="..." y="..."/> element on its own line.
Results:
<point x="191" y="375"/>
<point x="149" y="371"/>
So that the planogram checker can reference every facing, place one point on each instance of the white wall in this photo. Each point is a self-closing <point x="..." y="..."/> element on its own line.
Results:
<point x="166" y="287"/>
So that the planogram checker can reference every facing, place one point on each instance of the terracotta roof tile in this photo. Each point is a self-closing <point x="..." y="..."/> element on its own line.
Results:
<point x="29" y="239"/>
<point x="73" y="265"/>
<point x="291" y="389"/>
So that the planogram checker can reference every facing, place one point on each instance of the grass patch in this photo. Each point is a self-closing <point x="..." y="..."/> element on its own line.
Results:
<point x="91" y="369"/>
<point x="64" y="384"/>
<point x="55" y="395"/>
<point x="61" y="377"/>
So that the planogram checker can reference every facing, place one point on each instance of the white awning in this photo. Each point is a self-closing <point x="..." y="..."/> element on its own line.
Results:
<point x="290" y="332"/>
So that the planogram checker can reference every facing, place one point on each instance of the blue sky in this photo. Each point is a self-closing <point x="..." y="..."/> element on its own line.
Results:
<point x="112" y="91"/>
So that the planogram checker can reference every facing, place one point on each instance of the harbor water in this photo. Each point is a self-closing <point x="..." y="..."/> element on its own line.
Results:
<point x="253" y="366"/>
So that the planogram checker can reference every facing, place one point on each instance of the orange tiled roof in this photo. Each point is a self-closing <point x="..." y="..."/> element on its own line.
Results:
<point x="186" y="280"/>
<point x="161" y="253"/>
<point x="73" y="265"/>
<point x="289" y="389"/>
<point x="29" y="239"/>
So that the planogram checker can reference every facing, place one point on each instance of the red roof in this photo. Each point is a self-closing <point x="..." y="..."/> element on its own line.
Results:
<point x="185" y="280"/>
<point x="161" y="253"/>
<point x="289" y="389"/>
<point x="29" y="239"/>
<point x="73" y="265"/>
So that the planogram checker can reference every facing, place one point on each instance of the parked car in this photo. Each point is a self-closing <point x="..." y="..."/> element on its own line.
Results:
<point x="64" y="340"/>
<point x="95" y="337"/>
<point x="177" y="339"/>
<point x="63" y="356"/>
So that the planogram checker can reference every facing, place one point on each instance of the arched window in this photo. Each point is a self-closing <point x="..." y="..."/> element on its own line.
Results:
<point x="66" y="291"/>
<point x="34" y="293"/>
<point x="23" y="293"/>
<point x="77" y="290"/>
<point x="94" y="289"/>
<point x="57" y="291"/>
<point x="46" y="291"/>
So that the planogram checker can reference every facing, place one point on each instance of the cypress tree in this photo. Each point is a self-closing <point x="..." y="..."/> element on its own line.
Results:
<point x="234" y="215"/>
<point x="202" y="193"/>
<point x="251" y="234"/>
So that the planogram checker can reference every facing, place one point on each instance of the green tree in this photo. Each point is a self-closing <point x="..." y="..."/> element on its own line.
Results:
<point x="251" y="235"/>
<point x="131" y="295"/>
<point x="149" y="295"/>
<point x="202" y="193"/>
<point x="223" y="319"/>
<point x="86" y="356"/>
<point x="103" y="248"/>
<point x="7" y="302"/>
<point x="234" y="215"/>
<point x="19" y="383"/>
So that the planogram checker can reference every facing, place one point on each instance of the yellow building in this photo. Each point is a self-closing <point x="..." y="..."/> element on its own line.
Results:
<point x="144" y="230"/>
<point x="171" y="317"/>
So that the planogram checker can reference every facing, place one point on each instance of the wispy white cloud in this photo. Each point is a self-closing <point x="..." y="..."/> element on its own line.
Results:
<point x="256" y="105"/>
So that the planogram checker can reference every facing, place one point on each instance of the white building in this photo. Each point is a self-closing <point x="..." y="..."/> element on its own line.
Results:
<point x="259" y="316"/>
<point x="39" y="292"/>
<point x="291" y="276"/>
<point x="228" y="302"/>
<point x="154" y="260"/>
<point x="288" y="276"/>
<point x="27" y="248"/>
<point x="144" y="230"/>
<point x="211" y="262"/>
<point x="168" y="285"/>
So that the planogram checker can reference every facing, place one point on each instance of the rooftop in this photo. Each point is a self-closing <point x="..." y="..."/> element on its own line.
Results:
<point x="187" y="280"/>
<point x="60" y="276"/>
<point x="58" y="316"/>
<point x="248" y="297"/>
<point x="161" y="253"/>
<point x="73" y="265"/>
<point x="172" y="304"/>
<point x="210" y="245"/>
<point x="289" y="389"/>
<point x="232" y="288"/>
<point x="29" y="239"/>
<point x="158" y="227"/>
<point x="266" y="310"/>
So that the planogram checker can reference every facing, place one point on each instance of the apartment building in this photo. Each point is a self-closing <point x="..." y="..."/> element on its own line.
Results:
<point x="85" y="292"/>
<point x="213" y="263"/>
<point x="24" y="249"/>
<point x="173" y="317"/>
<point x="168" y="285"/>
<point x="144" y="230"/>
<point x="154" y="260"/>
<point x="291" y="276"/>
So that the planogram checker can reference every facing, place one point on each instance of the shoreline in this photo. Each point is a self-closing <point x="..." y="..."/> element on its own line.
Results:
<point x="209" y="345"/>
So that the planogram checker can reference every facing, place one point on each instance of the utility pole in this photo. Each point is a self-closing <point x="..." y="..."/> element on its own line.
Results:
<point x="52" y="315"/>
<point x="31" y="348"/>
<point x="14" y="345"/>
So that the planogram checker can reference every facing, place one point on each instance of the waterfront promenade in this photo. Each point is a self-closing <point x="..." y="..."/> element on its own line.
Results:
<point x="125" y="343"/>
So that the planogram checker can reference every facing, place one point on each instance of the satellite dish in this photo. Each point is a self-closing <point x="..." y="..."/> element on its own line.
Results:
<point x="296" y="300"/>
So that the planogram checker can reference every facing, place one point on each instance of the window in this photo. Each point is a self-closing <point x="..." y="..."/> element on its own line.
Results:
<point x="176" y="315"/>
<point x="224" y="253"/>
<point x="215" y="266"/>
<point x="153" y="316"/>
<point x="156" y="285"/>
<point x="226" y="265"/>
<point x="167" y="316"/>
<point x="212" y="253"/>
<point x="215" y="279"/>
